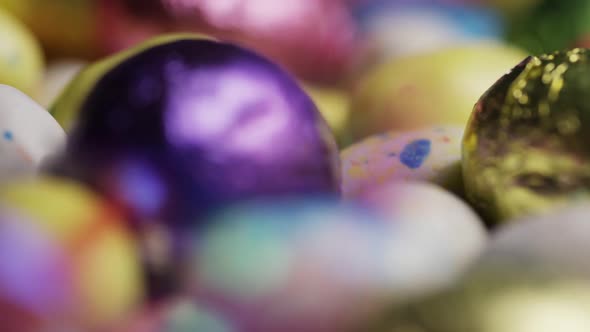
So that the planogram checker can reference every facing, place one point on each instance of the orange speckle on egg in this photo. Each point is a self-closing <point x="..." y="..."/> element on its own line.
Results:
<point x="356" y="172"/>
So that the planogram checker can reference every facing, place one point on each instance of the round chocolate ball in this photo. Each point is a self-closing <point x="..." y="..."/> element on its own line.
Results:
<point x="190" y="125"/>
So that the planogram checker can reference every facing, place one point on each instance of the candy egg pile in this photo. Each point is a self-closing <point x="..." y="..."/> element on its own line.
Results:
<point x="294" y="166"/>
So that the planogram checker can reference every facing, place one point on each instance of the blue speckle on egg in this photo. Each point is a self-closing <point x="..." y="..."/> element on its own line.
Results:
<point x="415" y="153"/>
<point x="8" y="135"/>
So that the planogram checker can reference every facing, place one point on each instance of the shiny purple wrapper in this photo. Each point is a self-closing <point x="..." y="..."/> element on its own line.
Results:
<point x="190" y="126"/>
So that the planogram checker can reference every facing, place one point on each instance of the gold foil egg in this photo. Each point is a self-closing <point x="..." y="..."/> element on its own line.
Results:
<point x="498" y="301"/>
<point x="525" y="148"/>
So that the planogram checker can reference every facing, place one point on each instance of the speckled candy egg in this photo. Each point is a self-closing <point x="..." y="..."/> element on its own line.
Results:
<point x="190" y="125"/>
<point x="428" y="154"/>
<point x="525" y="149"/>
<point x="29" y="134"/>
<point x="75" y="261"/>
<point x="21" y="59"/>
<point x="438" y="235"/>
<point x="428" y="89"/>
<point x="306" y="265"/>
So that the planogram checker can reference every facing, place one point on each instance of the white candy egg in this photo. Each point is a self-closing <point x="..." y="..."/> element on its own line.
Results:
<point x="558" y="241"/>
<point x="438" y="235"/>
<point x="29" y="134"/>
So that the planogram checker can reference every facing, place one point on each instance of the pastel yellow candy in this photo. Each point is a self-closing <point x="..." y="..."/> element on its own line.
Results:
<point x="107" y="278"/>
<point x="334" y="105"/>
<point x="21" y="60"/>
<point x="428" y="89"/>
<point x="430" y="154"/>
<point x="66" y="106"/>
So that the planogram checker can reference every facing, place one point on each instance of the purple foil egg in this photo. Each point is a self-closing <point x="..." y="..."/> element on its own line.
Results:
<point x="189" y="126"/>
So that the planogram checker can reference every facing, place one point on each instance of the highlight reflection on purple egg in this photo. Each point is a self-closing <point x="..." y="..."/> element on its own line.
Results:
<point x="191" y="125"/>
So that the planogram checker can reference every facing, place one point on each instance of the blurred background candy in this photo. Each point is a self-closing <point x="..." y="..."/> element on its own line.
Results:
<point x="401" y="28"/>
<point x="29" y="134"/>
<point x="439" y="235"/>
<point x="512" y="8"/>
<point x="551" y="26"/>
<point x="428" y="154"/>
<point x="21" y="60"/>
<point x="302" y="265"/>
<point x="533" y="276"/>
<point x="177" y="315"/>
<point x="317" y="39"/>
<point x="31" y="259"/>
<point x="75" y="261"/>
<point x="65" y="27"/>
<point x="57" y="76"/>
<point x="436" y="88"/>
<point x="215" y="198"/>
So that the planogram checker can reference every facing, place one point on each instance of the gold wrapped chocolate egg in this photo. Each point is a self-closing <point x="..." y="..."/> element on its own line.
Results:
<point x="525" y="149"/>
<point x="498" y="302"/>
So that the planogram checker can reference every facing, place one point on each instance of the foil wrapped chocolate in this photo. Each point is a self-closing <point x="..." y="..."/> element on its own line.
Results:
<point x="190" y="125"/>
<point x="525" y="148"/>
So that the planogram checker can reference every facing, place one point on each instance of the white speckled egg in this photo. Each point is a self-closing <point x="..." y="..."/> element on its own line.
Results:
<point x="430" y="154"/>
<point x="558" y="241"/>
<point x="29" y="134"/>
<point x="438" y="235"/>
